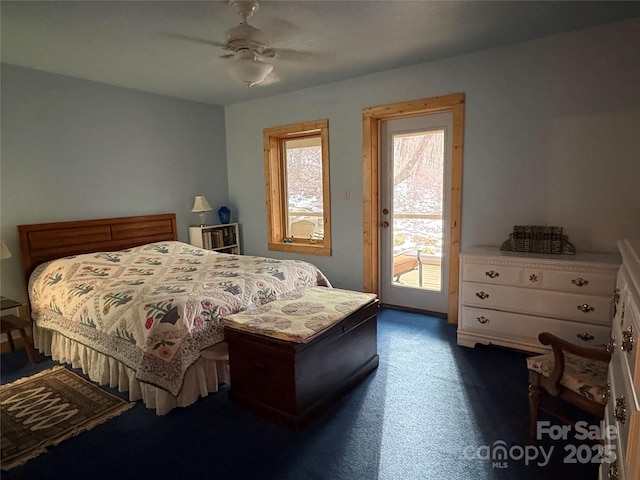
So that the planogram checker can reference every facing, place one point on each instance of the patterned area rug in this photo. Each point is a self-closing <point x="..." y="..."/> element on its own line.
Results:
<point x="43" y="410"/>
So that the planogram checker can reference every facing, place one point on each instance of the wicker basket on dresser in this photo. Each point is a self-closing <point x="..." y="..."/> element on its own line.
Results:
<point x="508" y="298"/>
<point x="622" y="413"/>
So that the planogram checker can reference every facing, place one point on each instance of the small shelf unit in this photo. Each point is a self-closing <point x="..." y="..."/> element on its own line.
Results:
<point x="223" y="238"/>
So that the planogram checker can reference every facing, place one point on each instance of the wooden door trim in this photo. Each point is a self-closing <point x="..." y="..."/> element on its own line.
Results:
<point x="371" y="119"/>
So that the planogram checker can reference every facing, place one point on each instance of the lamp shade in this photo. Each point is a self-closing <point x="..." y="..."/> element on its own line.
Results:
<point x="200" y="204"/>
<point x="4" y="250"/>
<point x="248" y="69"/>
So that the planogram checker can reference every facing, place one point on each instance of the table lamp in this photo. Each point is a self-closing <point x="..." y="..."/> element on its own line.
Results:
<point x="200" y="205"/>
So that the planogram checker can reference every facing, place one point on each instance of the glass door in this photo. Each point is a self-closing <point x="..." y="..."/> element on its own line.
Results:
<point x="415" y="206"/>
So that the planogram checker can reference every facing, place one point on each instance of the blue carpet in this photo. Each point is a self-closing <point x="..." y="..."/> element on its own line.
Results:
<point x="431" y="410"/>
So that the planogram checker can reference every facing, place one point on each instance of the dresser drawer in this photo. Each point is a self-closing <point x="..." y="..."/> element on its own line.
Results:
<point x="617" y="468"/>
<point x="492" y="274"/>
<point x="581" y="308"/>
<point x="526" y="328"/>
<point x="631" y="327"/>
<point x="623" y="407"/>
<point x="598" y="283"/>
<point x="625" y="334"/>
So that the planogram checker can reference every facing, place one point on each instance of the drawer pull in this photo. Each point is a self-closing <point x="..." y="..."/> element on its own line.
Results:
<point x="627" y="340"/>
<point x="611" y="346"/>
<point x="483" y="320"/>
<point x="482" y="295"/>
<point x="607" y="393"/>
<point x="620" y="412"/>
<point x="492" y="274"/>
<point x="613" y="470"/>
<point x="586" y="308"/>
<point x="585" y="336"/>
<point x="580" y="282"/>
<point x="533" y="278"/>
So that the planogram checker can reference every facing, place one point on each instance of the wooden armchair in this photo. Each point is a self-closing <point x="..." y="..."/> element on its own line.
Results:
<point x="573" y="373"/>
<point x="302" y="229"/>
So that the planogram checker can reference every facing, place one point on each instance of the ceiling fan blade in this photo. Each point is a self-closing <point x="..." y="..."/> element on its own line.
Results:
<point x="189" y="38"/>
<point x="279" y="30"/>
<point x="289" y="55"/>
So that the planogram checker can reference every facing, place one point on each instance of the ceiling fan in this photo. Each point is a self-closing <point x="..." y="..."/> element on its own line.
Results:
<point x="246" y="47"/>
<point x="245" y="50"/>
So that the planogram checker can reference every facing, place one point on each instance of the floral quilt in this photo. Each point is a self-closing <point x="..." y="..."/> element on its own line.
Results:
<point x="155" y="307"/>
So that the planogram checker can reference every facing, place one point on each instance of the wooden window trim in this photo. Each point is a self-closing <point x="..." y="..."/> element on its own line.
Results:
<point x="275" y="190"/>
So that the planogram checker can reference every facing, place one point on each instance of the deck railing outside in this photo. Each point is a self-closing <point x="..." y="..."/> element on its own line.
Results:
<point x="425" y="244"/>
<point x="419" y="235"/>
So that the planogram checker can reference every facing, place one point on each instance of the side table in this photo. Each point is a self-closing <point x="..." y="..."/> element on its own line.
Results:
<point x="12" y="323"/>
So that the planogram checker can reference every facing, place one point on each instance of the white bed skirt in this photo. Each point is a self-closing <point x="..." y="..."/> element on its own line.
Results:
<point x="202" y="378"/>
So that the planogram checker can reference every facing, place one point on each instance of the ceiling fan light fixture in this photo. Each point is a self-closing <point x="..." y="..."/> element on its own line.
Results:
<point x="245" y="8"/>
<point x="249" y="70"/>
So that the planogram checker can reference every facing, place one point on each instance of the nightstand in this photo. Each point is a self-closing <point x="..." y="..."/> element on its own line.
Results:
<point x="12" y="323"/>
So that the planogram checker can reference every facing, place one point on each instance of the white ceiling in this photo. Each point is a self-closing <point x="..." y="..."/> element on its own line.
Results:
<point x="144" y="44"/>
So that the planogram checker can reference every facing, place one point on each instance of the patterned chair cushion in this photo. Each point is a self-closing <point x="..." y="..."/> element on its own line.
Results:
<point x="301" y="316"/>
<point x="582" y="375"/>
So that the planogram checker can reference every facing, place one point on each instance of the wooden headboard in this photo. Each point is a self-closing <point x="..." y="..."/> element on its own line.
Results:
<point x="42" y="242"/>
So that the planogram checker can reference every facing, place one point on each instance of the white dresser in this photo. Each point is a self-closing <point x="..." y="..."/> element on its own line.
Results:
<point x="508" y="298"/>
<point x="622" y="414"/>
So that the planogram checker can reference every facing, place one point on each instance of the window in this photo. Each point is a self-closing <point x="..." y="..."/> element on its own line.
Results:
<point x="296" y="169"/>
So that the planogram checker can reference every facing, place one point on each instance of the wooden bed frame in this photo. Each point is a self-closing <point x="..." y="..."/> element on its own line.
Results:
<point x="42" y="242"/>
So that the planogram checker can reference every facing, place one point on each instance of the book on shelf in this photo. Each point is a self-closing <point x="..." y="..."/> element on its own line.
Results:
<point x="215" y="237"/>
<point x="219" y="237"/>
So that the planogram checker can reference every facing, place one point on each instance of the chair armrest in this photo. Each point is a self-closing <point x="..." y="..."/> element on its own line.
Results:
<point x="594" y="353"/>
<point x="559" y="346"/>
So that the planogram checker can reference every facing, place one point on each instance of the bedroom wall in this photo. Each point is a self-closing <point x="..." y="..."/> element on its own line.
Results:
<point x="74" y="149"/>
<point x="551" y="138"/>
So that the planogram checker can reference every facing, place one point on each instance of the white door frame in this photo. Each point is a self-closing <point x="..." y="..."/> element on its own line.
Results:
<point x="371" y="118"/>
<point x="390" y="292"/>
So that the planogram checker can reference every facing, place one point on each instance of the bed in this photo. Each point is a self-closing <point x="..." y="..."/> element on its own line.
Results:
<point x="138" y="310"/>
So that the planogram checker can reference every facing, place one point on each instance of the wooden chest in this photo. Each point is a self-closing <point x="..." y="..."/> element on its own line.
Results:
<point x="291" y="383"/>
